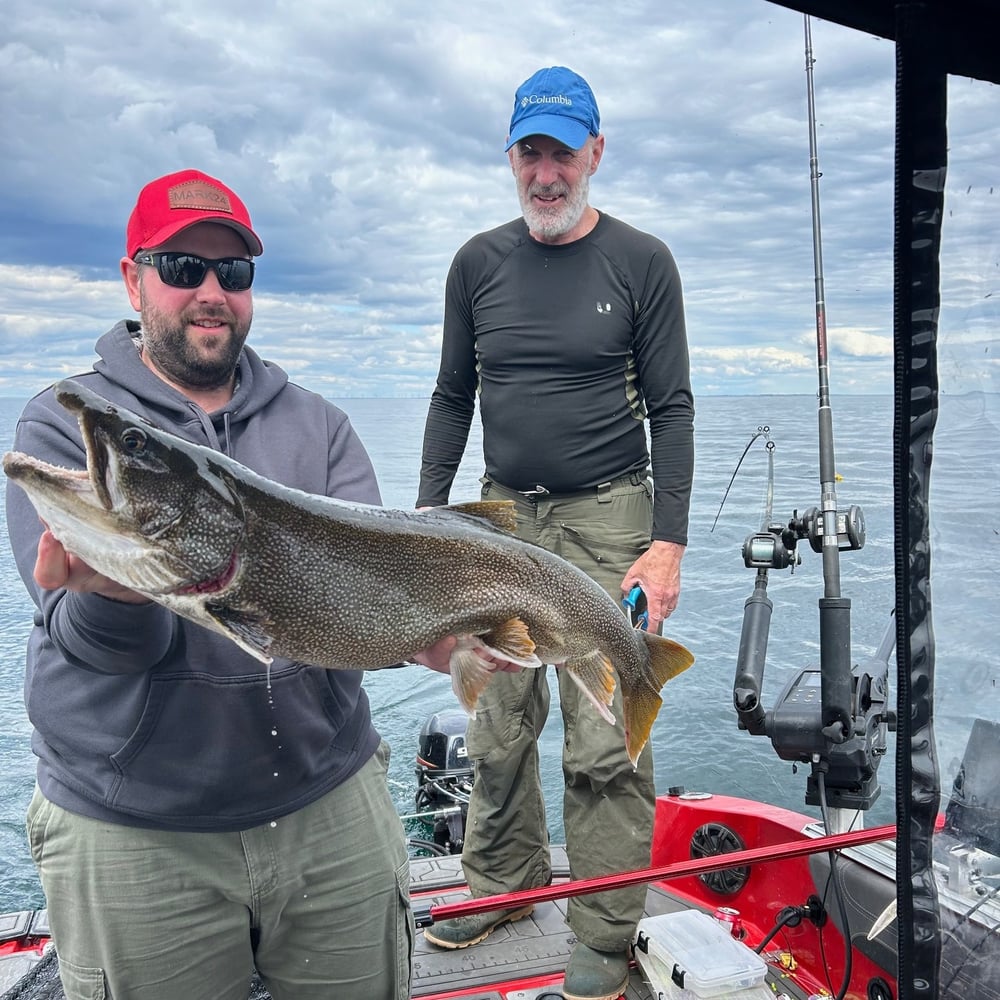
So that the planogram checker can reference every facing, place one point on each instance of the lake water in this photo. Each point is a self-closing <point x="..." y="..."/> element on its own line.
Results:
<point x="696" y="740"/>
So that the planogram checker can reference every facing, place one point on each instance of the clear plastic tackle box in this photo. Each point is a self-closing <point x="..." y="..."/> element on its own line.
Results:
<point x="688" y="955"/>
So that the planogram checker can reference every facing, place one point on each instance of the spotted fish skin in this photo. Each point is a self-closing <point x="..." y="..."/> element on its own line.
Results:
<point x="329" y="583"/>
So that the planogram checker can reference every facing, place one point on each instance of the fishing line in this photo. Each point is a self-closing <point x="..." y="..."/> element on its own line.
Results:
<point x="765" y="432"/>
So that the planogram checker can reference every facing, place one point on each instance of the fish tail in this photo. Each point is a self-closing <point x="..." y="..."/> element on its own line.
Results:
<point x="641" y="701"/>
<point x="667" y="658"/>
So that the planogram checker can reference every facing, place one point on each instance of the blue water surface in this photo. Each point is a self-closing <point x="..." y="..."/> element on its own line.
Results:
<point x="696" y="741"/>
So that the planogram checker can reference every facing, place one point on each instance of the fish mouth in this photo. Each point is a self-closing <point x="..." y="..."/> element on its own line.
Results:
<point x="78" y="483"/>
<point x="99" y="463"/>
<point x="71" y="509"/>
<point x="71" y="502"/>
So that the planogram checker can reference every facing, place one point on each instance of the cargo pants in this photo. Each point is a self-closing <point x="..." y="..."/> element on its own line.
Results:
<point x="608" y="805"/>
<point x="317" y="901"/>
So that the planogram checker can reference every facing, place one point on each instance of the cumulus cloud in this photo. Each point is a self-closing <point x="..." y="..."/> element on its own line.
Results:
<point x="369" y="146"/>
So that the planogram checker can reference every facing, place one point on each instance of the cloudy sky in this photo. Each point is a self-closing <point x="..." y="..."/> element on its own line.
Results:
<point x="367" y="139"/>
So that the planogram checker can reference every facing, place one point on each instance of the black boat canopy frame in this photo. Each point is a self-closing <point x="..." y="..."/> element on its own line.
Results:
<point x="963" y="32"/>
<point x="933" y="38"/>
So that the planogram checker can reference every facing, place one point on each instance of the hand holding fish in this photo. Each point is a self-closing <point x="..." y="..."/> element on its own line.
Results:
<point x="55" y="568"/>
<point x="658" y="572"/>
<point x="438" y="657"/>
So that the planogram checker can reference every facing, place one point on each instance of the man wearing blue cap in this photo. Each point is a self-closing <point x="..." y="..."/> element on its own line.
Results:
<point x="569" y="326"/>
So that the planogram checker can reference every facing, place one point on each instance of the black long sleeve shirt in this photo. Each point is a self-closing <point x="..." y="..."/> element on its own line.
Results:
<point x="570" y="348"/>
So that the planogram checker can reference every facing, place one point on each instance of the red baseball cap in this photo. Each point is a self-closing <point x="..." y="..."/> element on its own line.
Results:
<point x="176" y="201"/>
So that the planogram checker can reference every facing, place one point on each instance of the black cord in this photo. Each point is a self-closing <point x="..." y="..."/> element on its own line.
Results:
<point x="437" y="850"/>
<point x="790" y="916"/>
<point x="838" y="892"/>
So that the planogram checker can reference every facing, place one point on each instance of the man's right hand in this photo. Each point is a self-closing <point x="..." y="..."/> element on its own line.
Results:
<point x="438" y="657"/>
<point x="55" y="568"/>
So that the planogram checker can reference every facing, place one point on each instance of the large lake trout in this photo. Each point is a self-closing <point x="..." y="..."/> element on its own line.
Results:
<point x="334" y="584"/>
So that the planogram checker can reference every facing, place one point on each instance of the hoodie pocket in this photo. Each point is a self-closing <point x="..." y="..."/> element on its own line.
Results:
<point x="209" y="748"/>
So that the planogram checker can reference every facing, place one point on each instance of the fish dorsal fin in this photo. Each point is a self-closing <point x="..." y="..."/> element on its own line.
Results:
<point x="496" y="513"/>
<point x="247" y="631"/>
<point x="595" y="677"/>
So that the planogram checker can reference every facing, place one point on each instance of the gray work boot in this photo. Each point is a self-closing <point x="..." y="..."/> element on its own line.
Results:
<point x="595" y="975"/>
<point x="464" y="931"/>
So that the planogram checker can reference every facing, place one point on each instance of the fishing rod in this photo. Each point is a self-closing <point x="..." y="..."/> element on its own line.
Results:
<point x="832" y="717"/>
<point x="835" y="610"/>
<point x="425" y="913"/>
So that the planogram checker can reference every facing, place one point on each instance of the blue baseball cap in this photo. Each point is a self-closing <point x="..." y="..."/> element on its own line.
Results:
<point x="556" y="102"/>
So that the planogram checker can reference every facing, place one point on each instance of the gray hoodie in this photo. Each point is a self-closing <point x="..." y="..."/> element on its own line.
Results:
<point x="143" y="718"/>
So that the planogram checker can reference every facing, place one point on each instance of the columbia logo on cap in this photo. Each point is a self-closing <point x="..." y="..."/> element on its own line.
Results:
<point x="542" y="99"/>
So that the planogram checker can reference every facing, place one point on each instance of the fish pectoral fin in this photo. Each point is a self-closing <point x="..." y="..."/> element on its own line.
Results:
<point x="595" y="677"/>
<point x="641" y="701"/>
<point x="511" y="641"/>
<point x="245" y="630"/>
<point x="470" y="673"/>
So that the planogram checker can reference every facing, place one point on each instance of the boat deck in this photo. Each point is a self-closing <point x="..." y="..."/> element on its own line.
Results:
<point x="532" y="951"/>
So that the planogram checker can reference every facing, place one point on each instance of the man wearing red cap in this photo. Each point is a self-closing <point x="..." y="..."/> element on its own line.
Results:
<point x="195" y="816"/>
<point x="568" y="326"/>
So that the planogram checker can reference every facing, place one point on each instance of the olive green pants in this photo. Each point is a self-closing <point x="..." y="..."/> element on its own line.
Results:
<point x="608" y="805"/>
<point x="317" y="901"/>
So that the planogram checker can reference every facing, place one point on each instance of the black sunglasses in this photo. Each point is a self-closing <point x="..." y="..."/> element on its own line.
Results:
<point x="188" y="270"/>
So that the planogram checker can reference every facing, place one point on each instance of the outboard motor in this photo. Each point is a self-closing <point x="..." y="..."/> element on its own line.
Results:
<point x="444" y="777"/>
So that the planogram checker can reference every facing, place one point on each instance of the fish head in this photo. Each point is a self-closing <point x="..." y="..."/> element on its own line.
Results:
<point x="150" y="510"/>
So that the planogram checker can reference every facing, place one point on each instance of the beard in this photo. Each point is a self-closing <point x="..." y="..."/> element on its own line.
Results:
<point x="203" y="363"/>
<point x="552" y="221"/>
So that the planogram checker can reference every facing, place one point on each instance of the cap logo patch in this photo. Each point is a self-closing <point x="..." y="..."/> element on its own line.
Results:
<point x="543" y="99"/>
<point x="200" y="196"/>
